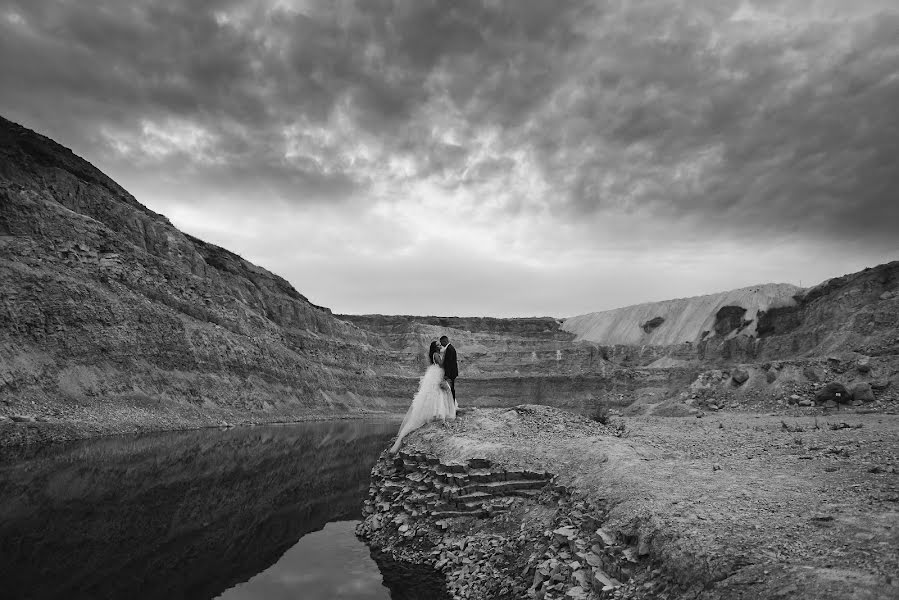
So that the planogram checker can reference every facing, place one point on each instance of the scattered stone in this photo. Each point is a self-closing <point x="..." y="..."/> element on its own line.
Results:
<point x="740" y="376"/>
<point x="880" y="384"/>
<point x="564" y="534"/>
<point x="822" y="517"/>
<point x="862" y="392"/>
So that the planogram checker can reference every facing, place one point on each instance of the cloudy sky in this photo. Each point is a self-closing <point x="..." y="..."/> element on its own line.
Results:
<point x="486" y="158"/>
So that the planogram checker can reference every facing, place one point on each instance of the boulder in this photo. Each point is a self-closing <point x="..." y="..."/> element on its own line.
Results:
<point x="739" y="376"/>
<point x="833" y="392"/>
<point x="810" y="374"/>
<point x="863" y="365"/>
<point x="770" y="375"/>
<point x="862" y="392"/>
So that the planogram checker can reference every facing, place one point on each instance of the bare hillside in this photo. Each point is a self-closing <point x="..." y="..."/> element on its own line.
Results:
<point x="684" y="319"/>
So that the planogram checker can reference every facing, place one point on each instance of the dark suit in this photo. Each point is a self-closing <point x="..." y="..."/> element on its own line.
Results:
<point x="450" y="367"/>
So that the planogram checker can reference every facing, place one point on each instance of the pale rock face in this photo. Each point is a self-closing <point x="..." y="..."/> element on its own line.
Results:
<point x="684" y="319"/>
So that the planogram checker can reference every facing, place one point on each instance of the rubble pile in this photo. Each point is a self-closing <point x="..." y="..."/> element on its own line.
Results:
<point x="498" y="533"/>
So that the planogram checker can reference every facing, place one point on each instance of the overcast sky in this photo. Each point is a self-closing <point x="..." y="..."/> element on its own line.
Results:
<point x="486" y="158"/>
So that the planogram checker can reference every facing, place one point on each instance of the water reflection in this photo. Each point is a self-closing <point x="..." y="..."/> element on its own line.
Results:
<point x="308" y="570"/>
<point x="181" y="515"/>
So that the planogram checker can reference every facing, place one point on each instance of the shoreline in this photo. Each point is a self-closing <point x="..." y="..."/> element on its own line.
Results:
<point x="36" y="434"/>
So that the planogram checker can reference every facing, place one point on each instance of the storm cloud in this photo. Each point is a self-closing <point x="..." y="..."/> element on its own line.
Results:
<point x="528" y="155"/>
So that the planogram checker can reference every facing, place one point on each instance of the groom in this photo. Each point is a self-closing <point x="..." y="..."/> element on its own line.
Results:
<point x="450" y="366"/>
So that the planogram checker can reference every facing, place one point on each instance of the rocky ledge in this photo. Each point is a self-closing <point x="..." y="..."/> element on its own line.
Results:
<point x="535" y="502"/>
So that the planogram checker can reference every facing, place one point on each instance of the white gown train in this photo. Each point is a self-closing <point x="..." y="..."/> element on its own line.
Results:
<point x="430" y="402"/>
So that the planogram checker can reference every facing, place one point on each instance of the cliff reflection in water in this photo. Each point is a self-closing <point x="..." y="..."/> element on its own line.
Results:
<point x="176" y="515"/>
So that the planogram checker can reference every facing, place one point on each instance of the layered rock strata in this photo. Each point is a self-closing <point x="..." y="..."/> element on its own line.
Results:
<point x="505" y="362"/>
<point x="532" y="502"/>
<point x="112" y="320"/>
<point x="109" y="314"/>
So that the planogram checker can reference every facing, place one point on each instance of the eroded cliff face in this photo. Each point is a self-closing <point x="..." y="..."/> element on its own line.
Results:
<point x="857" y="313"/>
<point x="682" y="320"/>
<point x="107" y="309"/>
<point x="504" y="362"/>
<point x="111" y="316"/>
<point x="787" y="341"/>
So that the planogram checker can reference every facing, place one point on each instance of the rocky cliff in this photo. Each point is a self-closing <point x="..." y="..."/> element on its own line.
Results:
<point x="504" y="362"/>
<point x="752" y="347"/>
<point x="856" y="313"/>
<point x="109" y="313"/>
<point x="111" y="319"/>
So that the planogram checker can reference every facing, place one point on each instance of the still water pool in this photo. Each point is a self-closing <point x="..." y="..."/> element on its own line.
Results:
<point x="245" y="513"/>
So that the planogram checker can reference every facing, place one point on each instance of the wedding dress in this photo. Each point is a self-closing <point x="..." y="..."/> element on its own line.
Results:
<point x="431" y="402"/>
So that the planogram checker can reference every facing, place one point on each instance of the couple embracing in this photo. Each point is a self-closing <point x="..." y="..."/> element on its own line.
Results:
<point x="436" y="396"/>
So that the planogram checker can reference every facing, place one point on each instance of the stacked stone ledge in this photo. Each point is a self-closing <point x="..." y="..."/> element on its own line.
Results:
<point x="421" y="485"/>
<point x="416" y="505"/>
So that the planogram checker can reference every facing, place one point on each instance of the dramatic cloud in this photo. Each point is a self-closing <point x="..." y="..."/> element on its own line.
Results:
<point x="495" y="157"/>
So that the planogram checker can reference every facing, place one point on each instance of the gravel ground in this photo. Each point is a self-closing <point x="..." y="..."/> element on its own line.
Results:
<point x="732" y="505"/>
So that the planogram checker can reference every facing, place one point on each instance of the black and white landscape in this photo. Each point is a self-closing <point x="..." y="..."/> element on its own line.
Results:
<point x="661" y="235"/>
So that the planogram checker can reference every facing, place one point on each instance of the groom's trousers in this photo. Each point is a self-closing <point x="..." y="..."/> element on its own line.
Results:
<point x="452" y="383"/>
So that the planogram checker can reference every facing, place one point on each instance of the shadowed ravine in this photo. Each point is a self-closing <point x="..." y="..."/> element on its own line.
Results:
<point x="177" y="515"/>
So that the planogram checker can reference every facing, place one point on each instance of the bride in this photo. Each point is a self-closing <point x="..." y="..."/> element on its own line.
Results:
<point x="432" y="401"/>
